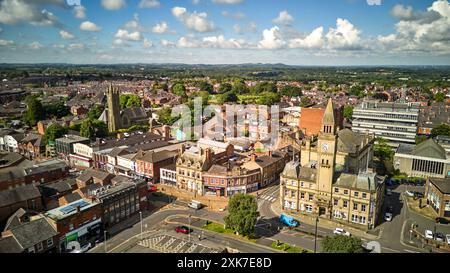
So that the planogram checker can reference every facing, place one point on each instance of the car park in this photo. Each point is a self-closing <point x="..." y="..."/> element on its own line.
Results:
<point x="341" y="231"/>
<point x="429" y="234"/>
<point x="388" y="192"/>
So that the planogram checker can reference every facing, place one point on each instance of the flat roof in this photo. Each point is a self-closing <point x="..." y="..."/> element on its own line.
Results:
<point x="69" y="209"/>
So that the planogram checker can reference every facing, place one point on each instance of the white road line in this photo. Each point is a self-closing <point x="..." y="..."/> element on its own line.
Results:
<point x="410" y="251"/>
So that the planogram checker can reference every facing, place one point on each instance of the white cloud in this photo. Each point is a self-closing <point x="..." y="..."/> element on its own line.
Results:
<point x="374" y="2"/>
<point x="89" y="26"/>
<point x="313" y="40"/>
<point x="195" y="2"/>
<point x="194" y="21"/>
<point x="113" y="4"/>
<point x="6" y="42"/>
<point x="236" y="15"/>
<point x="23" y="11"/>
<point x="79" y="46"/>
<point x="160" y="28"/>
<point x="237" y="29"/>
<point x="147" y="43"/>
<point x="212" y="42"/>
<point x="80" y="12"/>
<point x="228" y="2"/>
<point x="272" y="39"/>
<point x="284" y="18"/>
<point x="344" y="36"/>
<point x="36" y="45"/>
<point x="167" y="43"/>
<point x="123" y="34"/>
<point x="149" y="4"/>
<point x="66" y="35"/>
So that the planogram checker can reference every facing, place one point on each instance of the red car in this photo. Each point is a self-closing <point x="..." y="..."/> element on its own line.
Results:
<point x="183" y="229"/>
<point x="152" y="189"/>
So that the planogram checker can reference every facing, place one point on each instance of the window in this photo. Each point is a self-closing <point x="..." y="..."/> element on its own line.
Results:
<point x="345" y="191"/>
<point x="355" y="206"/>
<point x="70" y="226"/>
<point x="40" y="247"/>
<point x="354" y="218"/>
<point x="309" y="208"/>
<point x="311" y="197"/>
<point x="302" y="195"/>
<point x="363" y="207"/>
<point x="335" y="202"/>
<point x="49" y="242"/>
<point x="356" y="194"/>
<point x="364" y="195"/>
<point x="336" y="190"/>
<point x="301" y="184"/>
<point x="345" y="203"/>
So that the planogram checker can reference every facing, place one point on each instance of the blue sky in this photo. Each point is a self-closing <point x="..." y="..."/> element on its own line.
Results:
<point x="298" y="32"/>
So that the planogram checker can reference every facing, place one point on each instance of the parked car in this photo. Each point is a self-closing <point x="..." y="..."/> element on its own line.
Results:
<point x="388" y="216"/>
<point x="152" y="189"/>
<point x="388" y="192"/>
<point x="409" y="193"/>
<point x="195" y="204"/>
<point x="341" y="231"/>
<point x="439" y="237"/>
<point x="429" y="234"/>
<point x="441" y="220"/>
<point x="447" y="237"/>
<point x="183" y="229"/>
<point x="289" y="221"/>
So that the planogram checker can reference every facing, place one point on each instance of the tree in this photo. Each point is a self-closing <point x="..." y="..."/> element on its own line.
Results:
<point x="264" y="87"/>
<point x="348" y="112"/>
<point x="205" y="86"/>
<point x="291" y="91"/>
<point x="439" y="97"/>
<point x="54" y="131"/>
<point x="129" y="101"/>
<point x="96" y="111"/>
<point x="239" y="87"/>
<point x="342" y="244"/>
<point x="179" y="90"/>
<point x="356" y="90"/>
<point x="87" y="129"/>
<point x="420" y="139"/>
<point x="226" y="97"/>
<point x="268" y="98"/>
<point x="225" y="87"/>
<point x="35" y="111"/>
<point x="58" y="110"/>
<point x="165" y="116"/>
<point x="305" y="101"/>
<point x="382" y="150"/>
<point x="101" y="128"/>
<point x="243" y="214"/>
<point x="441" y="130"/>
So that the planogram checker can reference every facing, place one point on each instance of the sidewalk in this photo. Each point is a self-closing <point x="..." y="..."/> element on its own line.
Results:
<point x="323" y="222"/>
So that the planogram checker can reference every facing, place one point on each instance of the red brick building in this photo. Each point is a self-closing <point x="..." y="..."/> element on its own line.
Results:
<point x="148" y="164"/>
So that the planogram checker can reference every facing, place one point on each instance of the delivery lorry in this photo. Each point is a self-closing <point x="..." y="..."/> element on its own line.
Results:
<point x="195" y="204"/>
<point x="289" y="221"/>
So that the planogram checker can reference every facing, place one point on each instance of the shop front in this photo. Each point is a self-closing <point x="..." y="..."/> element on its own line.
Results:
<point x="234" y="190"/>
<point x="82" y="236"/>
<point x="214" y="190"/>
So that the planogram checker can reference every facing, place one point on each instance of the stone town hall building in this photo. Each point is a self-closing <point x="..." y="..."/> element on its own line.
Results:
<point x="324" y="187"/>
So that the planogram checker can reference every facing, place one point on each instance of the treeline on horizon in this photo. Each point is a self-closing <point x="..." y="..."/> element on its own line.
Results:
<point x="425" y="77"/>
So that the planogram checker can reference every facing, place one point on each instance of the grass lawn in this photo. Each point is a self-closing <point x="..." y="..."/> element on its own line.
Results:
<point x="219" y="228"/>
<point x="288" y="248"/>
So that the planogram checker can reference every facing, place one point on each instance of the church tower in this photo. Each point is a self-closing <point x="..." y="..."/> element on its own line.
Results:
<point x="113" y="109"/>
<point x="326" y="157"/>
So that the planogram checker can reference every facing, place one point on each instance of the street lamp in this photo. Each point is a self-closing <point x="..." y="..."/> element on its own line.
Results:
<point x="315" y="235"/>
<point x="140" y="216"/>
<point x="104" y="239"/>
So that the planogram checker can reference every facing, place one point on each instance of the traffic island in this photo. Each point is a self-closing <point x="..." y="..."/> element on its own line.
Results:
<point x="288" y="248"/>
<point x="219" y="228"/>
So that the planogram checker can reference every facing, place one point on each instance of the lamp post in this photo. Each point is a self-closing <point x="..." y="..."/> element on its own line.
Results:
<point x="315" y="235"/>
<point x="104" y="239"/>
<point x="140" y="216"/>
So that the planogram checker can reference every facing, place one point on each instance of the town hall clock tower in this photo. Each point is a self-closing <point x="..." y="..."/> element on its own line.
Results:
<point x="326" y="157"/>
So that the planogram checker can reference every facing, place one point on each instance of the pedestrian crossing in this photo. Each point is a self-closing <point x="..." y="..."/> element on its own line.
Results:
<point x="269" y="198"/>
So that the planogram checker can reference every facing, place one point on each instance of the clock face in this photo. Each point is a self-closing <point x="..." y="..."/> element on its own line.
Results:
<point x="325" y="147"/>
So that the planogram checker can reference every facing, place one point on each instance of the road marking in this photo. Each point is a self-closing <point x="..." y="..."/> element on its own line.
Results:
<point x="410" y="251"/>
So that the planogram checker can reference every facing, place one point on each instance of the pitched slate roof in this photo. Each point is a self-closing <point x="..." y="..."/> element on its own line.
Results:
<point x="9" y="244"/>
<point x="18" y="194"/>
<point x="430" y="148"/>
<point x="362" y="181"/>
<point x="293" y="169"/>
<point x="348" y="141"/>
<point x="33" y="232"/>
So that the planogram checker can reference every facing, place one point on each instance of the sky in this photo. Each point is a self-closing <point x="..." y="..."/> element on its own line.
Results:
<point x="293" y="32"/>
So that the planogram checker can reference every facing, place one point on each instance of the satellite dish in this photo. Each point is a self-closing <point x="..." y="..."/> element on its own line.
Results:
<point x="73" y="246"/>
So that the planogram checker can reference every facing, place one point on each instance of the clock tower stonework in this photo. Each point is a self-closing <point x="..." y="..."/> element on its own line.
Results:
<point x="326" y="157"/>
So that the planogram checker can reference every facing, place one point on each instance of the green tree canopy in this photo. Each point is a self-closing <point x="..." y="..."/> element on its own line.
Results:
<point x="226" y="97"/>
<point x="225" y="87"/>
<point x="96" y="111"/>
<point x="305" y="101"/>
<point x="439" y="97"/>
<point x="268" y="98"/>
<point x="129" y="100"/>
<point x="165" y="116"/>
<point x="264" y="87"/>
<point x="348" y="112"/>
<point x="58" y="110"/>
<point x="179" y="90"/>
<point x="342" y="244"/>
<point x="93" y="128"/>
<point x="239" y="87"/>
<point x="243" y="214"/>
<point x="441" y="130"/>
<point x="35" y="111"/>
<point x="54" y="131"/>
<point x="205" y="86"/>
<point x="291" y="91"/>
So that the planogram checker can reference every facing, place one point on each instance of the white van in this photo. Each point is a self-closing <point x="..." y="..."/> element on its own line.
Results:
<point x="195" y="204"/>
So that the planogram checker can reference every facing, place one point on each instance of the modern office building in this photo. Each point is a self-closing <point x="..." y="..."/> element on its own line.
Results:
<point x="394" y="121"/>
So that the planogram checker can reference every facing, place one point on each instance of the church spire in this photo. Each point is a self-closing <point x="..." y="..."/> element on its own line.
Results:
<point x="328" y="120"/>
